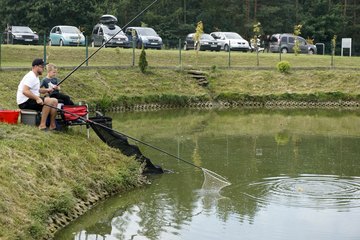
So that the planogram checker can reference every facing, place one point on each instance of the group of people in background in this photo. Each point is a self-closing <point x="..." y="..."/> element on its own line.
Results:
<point x="43" y="97"/>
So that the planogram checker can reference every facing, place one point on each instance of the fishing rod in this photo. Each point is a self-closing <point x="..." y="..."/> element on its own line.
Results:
<point x="121" y="30"/>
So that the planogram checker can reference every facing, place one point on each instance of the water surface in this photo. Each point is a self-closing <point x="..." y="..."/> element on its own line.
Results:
<point x="294" y="174"/>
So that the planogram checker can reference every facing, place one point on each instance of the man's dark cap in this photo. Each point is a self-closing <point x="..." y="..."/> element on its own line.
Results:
<point x="38" y="62"/>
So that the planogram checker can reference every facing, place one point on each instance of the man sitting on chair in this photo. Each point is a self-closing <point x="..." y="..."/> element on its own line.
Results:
<point x="28" y="95"/>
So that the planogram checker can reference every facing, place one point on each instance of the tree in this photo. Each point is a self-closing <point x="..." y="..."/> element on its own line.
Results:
<point x="297" y="32"/>
<point x="143" y="63"/>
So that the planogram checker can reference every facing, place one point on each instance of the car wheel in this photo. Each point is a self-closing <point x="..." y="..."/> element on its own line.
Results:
<point x="311" y="51"/>
<point x="185" y="47"/>
<point x="226" y="48"/>
<point x="284" y="50"/>
<point x="61" y="43"/>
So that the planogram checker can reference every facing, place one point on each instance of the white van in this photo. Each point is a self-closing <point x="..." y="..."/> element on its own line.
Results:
<point x="231" y="41"/>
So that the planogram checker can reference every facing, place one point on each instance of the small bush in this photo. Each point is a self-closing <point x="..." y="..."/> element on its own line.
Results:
<point x="104" y="104"/>
<point x="142" y="61"/>
<point x="283" y="66"/>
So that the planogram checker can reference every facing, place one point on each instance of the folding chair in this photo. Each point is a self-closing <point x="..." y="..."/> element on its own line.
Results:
<point x="71" y="113"/>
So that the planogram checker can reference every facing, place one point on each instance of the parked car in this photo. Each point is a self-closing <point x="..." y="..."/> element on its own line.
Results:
<point x="207" y="42"/>
<point x="231" y="41"/>
<point x="63" y="35"/>
<point x="144" y="37"/>
<point x="106" y="29"/>
<point x="285" y="43"/>
<point x="20" y="35"/>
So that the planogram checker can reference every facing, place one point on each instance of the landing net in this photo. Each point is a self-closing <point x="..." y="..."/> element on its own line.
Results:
<point x="213" y="182"/>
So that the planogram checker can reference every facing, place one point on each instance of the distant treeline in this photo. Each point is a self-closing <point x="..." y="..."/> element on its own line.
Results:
<point x="172" y="19"/>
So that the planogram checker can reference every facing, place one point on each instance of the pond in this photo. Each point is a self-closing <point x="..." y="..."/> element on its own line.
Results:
<point x="295" y="174"/>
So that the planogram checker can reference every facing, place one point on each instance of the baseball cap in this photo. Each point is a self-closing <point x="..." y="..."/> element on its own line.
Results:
<point x="38" y="62"/>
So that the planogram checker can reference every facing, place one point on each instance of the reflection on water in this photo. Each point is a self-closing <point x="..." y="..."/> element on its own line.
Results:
<point x="294" y="175"/>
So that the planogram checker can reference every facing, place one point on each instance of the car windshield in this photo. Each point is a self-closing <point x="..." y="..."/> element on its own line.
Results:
<point x="205" y="36"/>
<point x="113" y="30"/>
<point x="19" y="29"/>
<point x="231" y="35"/>
<point x="70" y="29"/>
<point x="147" y="32"/>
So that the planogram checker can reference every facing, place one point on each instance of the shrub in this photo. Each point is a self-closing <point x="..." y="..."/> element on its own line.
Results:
<point x="104" y="104"/>
<point x="283" y="66"/>
<point x="142" y="61"/>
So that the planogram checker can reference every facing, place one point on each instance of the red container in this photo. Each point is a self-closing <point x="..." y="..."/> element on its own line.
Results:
<point x="9" y="116"/>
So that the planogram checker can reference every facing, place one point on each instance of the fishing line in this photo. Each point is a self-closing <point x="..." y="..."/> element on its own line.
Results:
<point x="121" y="30"/>
<point x="211" y="178"/>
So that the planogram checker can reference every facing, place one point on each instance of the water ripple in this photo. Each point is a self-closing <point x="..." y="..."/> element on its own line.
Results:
<point x="311" y="191"/>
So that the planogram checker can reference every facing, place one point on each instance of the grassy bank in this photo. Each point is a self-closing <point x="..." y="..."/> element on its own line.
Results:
<point x="170" y="86"/>
<point x="40" y="177"/>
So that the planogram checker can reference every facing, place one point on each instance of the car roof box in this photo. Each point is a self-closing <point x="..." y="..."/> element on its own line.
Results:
<point x="108" y="19"/>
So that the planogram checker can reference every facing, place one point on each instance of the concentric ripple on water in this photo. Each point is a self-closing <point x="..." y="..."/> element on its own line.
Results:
<point x="310" y="191"/>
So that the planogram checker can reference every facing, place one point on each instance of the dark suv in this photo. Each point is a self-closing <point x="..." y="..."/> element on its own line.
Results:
<point x="20" y="35"/>
<point x="144" y="37"/>
<point x="105" y="29"/>
<point x="285" y="43"/>
<point x="207" y="42"/>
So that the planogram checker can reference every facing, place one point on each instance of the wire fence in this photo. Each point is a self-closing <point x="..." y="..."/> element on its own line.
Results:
<point x="172" y="55"/>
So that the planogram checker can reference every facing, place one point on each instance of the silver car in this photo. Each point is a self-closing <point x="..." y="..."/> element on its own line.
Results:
<point x="231" y="41"/>
<point x="106" y="31"/>
<point x="285" y="43"/>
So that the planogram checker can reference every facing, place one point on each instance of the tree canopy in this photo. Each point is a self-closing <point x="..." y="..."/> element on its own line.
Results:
<point x="321" y="19"/>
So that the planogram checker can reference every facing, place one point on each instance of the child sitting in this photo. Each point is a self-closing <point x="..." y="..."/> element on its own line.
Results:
<point x="50" y="81"/>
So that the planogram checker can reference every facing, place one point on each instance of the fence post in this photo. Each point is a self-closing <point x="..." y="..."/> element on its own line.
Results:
<point x="180" y="60"/>
<point x="86" y="51"/>
<point x="280" y="50"/>
<point x="0" y="48"/>
<point x="229" y="58"/>
<point x="45" y="48"/>
<point x="133" y="54"/>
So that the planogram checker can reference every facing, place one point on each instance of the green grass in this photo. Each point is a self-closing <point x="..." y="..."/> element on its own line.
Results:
<point x="40" y="177"/>
<point x="22" y="56"/>
<point x="126" y="87"/>
<point x="112" y="78"/>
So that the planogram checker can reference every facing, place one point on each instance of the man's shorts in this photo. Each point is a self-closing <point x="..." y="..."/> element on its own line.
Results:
<point x="31" y="104"/>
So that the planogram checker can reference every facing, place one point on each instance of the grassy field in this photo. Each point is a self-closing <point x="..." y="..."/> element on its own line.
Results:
<point x="21" y="56"/>
<point x="110" y="76"/>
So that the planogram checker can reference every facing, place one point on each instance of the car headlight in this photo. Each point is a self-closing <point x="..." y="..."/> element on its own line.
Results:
<point x="15" y="36"/>
<point x="144" y="40"/>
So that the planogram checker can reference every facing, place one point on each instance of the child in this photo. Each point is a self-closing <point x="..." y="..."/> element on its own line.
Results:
<point x="51" y="82"/>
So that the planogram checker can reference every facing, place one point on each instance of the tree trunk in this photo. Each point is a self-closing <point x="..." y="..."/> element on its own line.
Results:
<point x="255" y="9"/>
